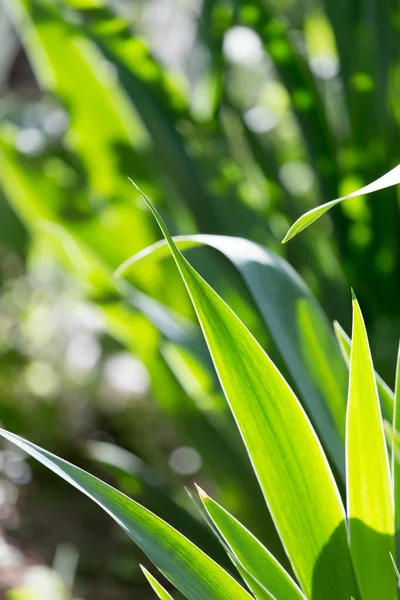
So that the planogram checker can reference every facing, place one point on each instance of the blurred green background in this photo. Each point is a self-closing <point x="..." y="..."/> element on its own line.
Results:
<point x="235" y="118"/>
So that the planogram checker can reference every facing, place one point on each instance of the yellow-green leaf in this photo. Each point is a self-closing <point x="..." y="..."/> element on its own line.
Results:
<point x="251" y="554"/>
<point x="157" y="587"/>
<point x="387" y="180"/>
<point x="396" y="463"/>
<point x="285" y="452"/>
<point x="191" y="571"/>
<point x="385" y="393"/>
<point x="369" y="490"/>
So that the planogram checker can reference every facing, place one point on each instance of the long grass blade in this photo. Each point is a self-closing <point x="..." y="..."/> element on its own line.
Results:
<point x="251" y="554"/>
<point x="389" y="179"/>
<point x="191" y="571"/>
<point x="386" y="395"/>
<point x="369" y="490"/>
<point x="294" y="320"/>
<point x="285" y="452"/>
<point x="396" y="463"/>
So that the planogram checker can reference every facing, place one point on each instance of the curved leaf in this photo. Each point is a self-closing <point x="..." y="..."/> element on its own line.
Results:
<point x="387" y="180"/>
<point x="297" y="324"/>
<point x="369" y="491"/>
<point x="287" y="457"/>
<point x="137" y="479"/>
<point x="191" y="571"/>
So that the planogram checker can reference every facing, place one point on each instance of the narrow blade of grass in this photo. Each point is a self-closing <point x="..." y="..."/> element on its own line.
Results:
<point x="385" y="393"/>
<point x="387" y="180"/>
<point x="157" y="587"/>
<point x="396" y="463"/>
<point x="285" y="452"/>
<point x="369" y="491"/>
<point x="251" y="554"/>
<point x="191" y="571"/>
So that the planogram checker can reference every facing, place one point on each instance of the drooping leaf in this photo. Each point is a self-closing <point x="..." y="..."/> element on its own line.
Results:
<point x="157" y="587"/>
<point x="385" y="393"/>
<point x="387" y="180"/>
<point x="251" y="554"/>
<point x="296" y="322"/>
<point x="147" y="486"/>
<point x="369" y="491"/>
<point x="282" y="445"/>
<point x="191" y="571"/>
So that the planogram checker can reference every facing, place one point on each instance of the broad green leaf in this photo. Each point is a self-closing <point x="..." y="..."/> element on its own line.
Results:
<point x="369" y="491"/>
<point x="385" y="393"/>
<point x="296" y="322"/>
<point x="389" y="179"/>
<point x="251" y="554"/>
<point x="395" y="461"/>
<point x="158" y="588"/>
<point x="287" y="457"/>
<point x="191" y="571"/>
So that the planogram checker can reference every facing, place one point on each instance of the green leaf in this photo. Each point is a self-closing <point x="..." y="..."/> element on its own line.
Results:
<point x="251" y="554"/>
<point x="387" y="180"/>
<point x="287" y="457"/>
<point x="191" y="571"/>
<point x="385" y="393"/>
<point x="396" y="453"/>
<point x="297" y="324"/>
<point x="36" y="197"/>
<point x="137" y="479"/>
<point x="158" y="588"/>
<point x="369" y="491"/>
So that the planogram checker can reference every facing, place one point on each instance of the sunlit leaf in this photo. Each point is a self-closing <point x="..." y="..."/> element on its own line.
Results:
<point x="285" y="452"/>
<point x="159" y="590"/>
<point x="147" y="485"/>
<point x="296" y="322"/>
<point x="385" y="393"/>
<point x="396" y="457"/>
<point x="369" y="490"/>
<point x="192" y="572"/>
<point x="251" y="554"/>
<point x="387" y="180"/>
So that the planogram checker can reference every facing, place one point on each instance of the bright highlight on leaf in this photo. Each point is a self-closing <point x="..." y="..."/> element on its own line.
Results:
<point x="395" y="461"/>
<point x="369" y="490"/>
<point x="385" y="393"/>
<point x="389" y="179"/>
<point x="285" y="452"/>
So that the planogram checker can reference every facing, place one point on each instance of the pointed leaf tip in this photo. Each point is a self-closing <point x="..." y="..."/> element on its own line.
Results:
<point x="201" y="492"/>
